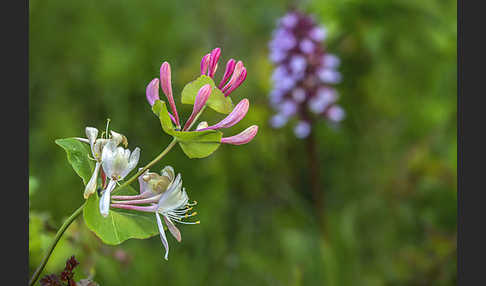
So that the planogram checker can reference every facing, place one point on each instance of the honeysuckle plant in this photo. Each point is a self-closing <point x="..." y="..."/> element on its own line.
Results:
<point x="113" y="209"/>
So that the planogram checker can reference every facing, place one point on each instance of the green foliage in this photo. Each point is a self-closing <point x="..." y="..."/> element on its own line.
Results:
<point x="119" y="225"/>
<point x="217" y="101"/>
<point x="388" y="172"/>
<point x="78" y="156"/>
<point x="198" y="144"/>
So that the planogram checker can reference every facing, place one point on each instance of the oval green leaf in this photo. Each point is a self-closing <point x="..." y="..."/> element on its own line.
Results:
<point x="78" y="156"/>
<point x="216" y="101"/>
<point x="119" y="225"/>
<point x="195" y="144"/>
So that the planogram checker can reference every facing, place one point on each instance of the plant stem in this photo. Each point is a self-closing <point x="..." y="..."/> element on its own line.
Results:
<point x="195" y="118"/>
<point x="68" y="222"/>
<point x="153" y="162"/>
<point x="59" y="233"/>
<point x="316" y="188"/>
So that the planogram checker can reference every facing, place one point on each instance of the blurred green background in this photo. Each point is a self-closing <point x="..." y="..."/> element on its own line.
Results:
<point x="388" y="174"/>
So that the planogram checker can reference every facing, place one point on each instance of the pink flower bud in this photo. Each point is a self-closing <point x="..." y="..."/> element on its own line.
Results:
<point x="243" y="137"/>
<point x="238" y="82"/>
<point x="234" y="117"/>
<point x="205" y="64"/>
<point x="165" y="82"/>
<point x="214" y="61"/>
<point x="230" y="67"/>
<point x="201" y="98"/>
<point x="152" y="91"/>
<point x="237" y="72"/>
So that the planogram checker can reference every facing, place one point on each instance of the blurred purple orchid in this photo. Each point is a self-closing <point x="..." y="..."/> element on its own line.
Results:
<point x="303" y="74"/>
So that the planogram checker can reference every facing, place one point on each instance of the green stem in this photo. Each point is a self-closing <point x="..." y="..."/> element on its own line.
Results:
<point x="195" y="118"/>
<point x="153" y="162"/>
<point x="59" y="233"/>
<point x="68" y="222"/>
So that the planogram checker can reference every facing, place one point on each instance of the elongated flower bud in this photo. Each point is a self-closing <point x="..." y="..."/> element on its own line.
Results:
<point x="152" y="91"/>
<point x="238" y="82"/>
<point x="214" y="61"/>
<point x="205" y="64"/>
<point x="234" y="117"/>
<point x="230" y="67"/>
<point x="243" y="137"/>
<point x="165" y="82"/>
<point x="201" y="98"/>
<point x="235" y="76"/>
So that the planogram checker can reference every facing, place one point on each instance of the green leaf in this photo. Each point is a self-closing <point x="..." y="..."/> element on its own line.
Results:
<point x="217" y="101"/>
<point x="160" y="109"/>
<point x="119" y="225"/>
<point x="78" y="156"/>
<point x="199" y="144"/>
<point x="195" y="144"/>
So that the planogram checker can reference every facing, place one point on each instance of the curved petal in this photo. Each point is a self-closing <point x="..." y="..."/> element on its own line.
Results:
<point x="92" y="134"/>
<point x="173" y="229"/>
<point x="134" y="157"/>
<point x="152" y="91"/>
<point x="174" y="197"/>
<point x="105" y="199"/>
<point x="91" y="185"/>
<point x="168" y="171"/>
<point x="162" y="235"/>
<point x="108" y="158"/>
<point x="119" y="138"/>
<point x="141" y="182"/>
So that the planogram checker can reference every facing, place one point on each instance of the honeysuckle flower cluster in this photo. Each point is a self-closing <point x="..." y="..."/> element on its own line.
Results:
<point x="159" y="193"/>
<point x="304" y="74"/>
<point x="233" y="77"/>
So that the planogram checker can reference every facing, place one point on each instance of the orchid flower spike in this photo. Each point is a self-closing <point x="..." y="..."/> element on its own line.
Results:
<point x="235" y="70"/>
<point x="117" y="162"/>
<point x="173" y="205"/>
<point x="96" y="145"/>
<point x="243" y="137"/>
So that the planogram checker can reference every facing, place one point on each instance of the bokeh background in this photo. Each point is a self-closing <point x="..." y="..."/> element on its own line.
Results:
<point x="388" y="174"/>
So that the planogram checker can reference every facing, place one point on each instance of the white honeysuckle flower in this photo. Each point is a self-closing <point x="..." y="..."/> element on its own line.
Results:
<point x="173" y="205"/>
<point x="96" y="145"/>
<point x="117" y="162"/>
